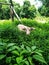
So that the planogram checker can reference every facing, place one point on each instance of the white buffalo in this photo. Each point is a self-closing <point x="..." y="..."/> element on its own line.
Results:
<point x="24" y="28"/>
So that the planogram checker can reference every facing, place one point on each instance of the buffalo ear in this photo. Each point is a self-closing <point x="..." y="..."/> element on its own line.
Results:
<point x="32" y="28"/>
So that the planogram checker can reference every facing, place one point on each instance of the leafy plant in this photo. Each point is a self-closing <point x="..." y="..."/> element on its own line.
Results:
<point x="10" y="34"/>
<point x="26" y="55"/>
<point x="20" y="55"/>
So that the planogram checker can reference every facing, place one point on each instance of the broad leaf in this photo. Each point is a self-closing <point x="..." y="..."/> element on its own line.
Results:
<point x="18" y="48"/>
<point x="2" y="56"/>
<point x="30" y="60"/>
<point x="37" y="50"/>
<point x="39" y="58"/>
<point x="38" y="53"/>
<point x="19" y="59"/>
<point x="10" y="44"/>
<point x="23" y="52"/>
<point x="1" y="44"/>
<point x="8" y="60"/>
<point x="15" y="52"/>
<point x="11" y="48"/>
<point x="26" y="62"/>
<point x="33" y="48"/>
<point x="28" y="48"/>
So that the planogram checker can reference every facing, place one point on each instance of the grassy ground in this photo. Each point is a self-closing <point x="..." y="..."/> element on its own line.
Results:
<point x="42" y="19"/>
<point x="39" y="19"/>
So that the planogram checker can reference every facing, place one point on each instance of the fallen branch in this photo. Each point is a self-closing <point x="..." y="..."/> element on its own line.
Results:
<point x="16" y="14"/>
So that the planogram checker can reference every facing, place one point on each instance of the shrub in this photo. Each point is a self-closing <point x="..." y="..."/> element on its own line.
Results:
<point x="40" y="37"/>
<point x="10" y="54"/>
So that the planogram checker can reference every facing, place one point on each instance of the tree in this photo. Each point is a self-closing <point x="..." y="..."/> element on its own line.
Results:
<point x="28" y="10"/>
<point x="17" y="8"/>
<point x="25" y="11"/>
<point x="4" y="10"/>
<point x="32" y="11"/>
<point x="45" y="2"/>
<point x="44" y="10"/>
<point x="3" y="1"/>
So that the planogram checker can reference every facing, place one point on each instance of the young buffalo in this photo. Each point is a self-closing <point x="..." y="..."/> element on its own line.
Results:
<point x="24" y="28"/>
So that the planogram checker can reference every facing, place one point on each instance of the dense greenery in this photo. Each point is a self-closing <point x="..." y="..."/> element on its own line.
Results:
<point x="19" y="55"/>
<point x="28" y="10"/>
<point x="45" y="8"/>
<point x="4" y="10"/>
<point x="25" y="11"/>
<point x="17" y="48"/>
<point x="9" y="33"/>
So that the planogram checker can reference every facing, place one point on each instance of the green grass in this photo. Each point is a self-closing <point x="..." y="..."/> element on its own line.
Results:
<point x="42" y="19"/>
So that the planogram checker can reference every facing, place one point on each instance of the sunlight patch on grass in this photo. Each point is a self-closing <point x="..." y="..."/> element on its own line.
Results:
<point x="42" y="19"/>
<point x="5" y="21"/>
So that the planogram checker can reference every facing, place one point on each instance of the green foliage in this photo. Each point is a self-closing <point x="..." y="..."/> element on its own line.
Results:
<point x="40" y="58"/>
<point x="8" y="59"/>
<point x="5" y="56"/>
<point x="32" y="11"/>
<point x="4" y="10"/>
<point x="17" y="8"/>
<point x="28" y="10"/>
<point x="2" y="0"/>
<point x="45" y="2"/>
<point x="39" y="37"/>
<point x="25" y="11"/>
<point x="1" y="57"/>
<point x="18" y="55"/>
<point x="44" y="10"/>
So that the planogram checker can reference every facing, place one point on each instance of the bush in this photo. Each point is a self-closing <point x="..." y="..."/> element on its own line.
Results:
<point x="39" y="37"/>
<point x="44" y="11"/>
<point x="10" y="54"/>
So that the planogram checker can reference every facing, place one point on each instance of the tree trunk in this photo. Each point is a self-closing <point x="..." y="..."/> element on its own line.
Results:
<point x="11" y="10"/>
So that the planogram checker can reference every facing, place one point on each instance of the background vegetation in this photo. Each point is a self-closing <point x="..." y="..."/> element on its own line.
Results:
<point x="17" y="48"/>
<point x="9" y="33"/>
